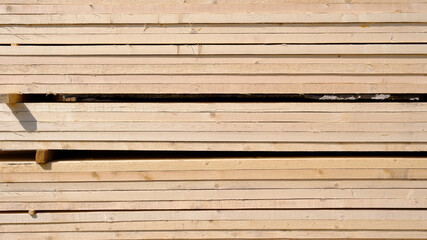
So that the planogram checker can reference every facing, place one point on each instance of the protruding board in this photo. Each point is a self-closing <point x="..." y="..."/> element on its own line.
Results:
<point x="44" y="156"/>
<point x="11" y="98"/>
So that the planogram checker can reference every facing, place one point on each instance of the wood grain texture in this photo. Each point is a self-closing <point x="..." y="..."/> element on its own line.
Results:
<point x="215" y="125"/>
<point x="230" y="7"/>
<point x="209" y="84"/>
<point x="162" y="49"/>
<point x="177" y="205"/>
<point x="213" y="196"/>
<point x="43" y="156"/>
<point x="188" y="18"/>
<point x="237" y="47"/>
<point x="223" y="235"/>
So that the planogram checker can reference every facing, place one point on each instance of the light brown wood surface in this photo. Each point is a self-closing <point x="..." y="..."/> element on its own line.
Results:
<point x="216" y="125"/>
<point x="212" y="205"/>
<point x="231" y="33"/>
<point x="337" y="50"/>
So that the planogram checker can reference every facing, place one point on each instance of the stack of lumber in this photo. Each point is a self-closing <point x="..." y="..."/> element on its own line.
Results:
<point x="309" y="126"/>
<point x="213" y="46"/>
<point x="225" y="50"/>
<point x="215" y="198"/>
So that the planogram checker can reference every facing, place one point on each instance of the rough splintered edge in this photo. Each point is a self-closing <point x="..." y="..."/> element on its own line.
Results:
<point x="376" y="97"/>
<point x="333" y="97"/>
<point x="381" y="96"/>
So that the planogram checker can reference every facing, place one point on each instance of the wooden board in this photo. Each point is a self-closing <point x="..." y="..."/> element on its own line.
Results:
<point x="121" y="2"/>
<point x="189" y="18"/>
<point x="223" y="235"/>
<point x="194" y="7"/>
<point x="213" y="84"/>
<point x="227" y="39"/>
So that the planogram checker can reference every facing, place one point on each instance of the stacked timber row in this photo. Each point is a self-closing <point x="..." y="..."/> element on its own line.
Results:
<point x="174" y="49"/>
<point x="215" y="126"/>
<point x="214" y="198"/>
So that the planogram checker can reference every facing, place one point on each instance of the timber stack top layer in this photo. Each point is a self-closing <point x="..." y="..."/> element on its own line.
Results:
<point x="213" y="46"/>
<point x="213" y="119"/>
<point x="205" y="48"/>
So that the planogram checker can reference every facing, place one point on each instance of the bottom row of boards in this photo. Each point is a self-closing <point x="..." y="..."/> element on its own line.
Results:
<point x="108" y="197"/>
